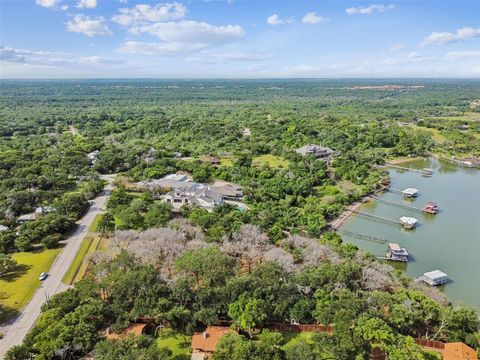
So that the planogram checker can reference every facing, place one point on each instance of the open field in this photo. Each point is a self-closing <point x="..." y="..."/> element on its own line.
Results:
<point x="18" y="288"/>
<point x="436" y="134"/>
<point x="270" y="160"/>
<point x="178" y="343"/>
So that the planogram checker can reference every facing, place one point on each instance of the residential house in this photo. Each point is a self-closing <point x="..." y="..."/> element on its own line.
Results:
<point x="204" y="343"/>
<point x="42" y="210"/>
<point x="320" y="152"/>
<point x="135" y="329"/>
<point x="26" y="217"/>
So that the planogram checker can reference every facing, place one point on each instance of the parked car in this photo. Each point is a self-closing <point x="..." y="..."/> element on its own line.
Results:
<point x="42" y="276"/>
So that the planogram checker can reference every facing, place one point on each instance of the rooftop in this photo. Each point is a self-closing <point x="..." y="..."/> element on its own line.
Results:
<point x="410" y="191"/>
<point x="134" y="329"/>
<point x="458" y="351"/>
<point x="435" y="275"/>
<point x="208" y="339"/>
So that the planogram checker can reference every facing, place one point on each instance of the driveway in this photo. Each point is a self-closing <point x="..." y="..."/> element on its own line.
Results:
<point x="15" y="331"/>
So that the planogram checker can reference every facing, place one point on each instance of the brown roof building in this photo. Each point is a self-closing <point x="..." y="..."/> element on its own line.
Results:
<point x="204" y="343"/>
<point x="458" y="351"/>
<point x="133" y="329"/>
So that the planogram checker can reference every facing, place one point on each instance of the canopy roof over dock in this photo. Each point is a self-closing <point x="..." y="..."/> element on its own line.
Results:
<point x="408" y="220"/>
<point x="410" y="191"/>
<point x="435" y="275"/>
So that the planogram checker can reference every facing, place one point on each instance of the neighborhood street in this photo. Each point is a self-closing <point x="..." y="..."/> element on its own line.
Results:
<point x="15" y="331"/>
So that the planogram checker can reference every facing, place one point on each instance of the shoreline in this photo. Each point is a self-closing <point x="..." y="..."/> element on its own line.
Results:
<point x="336" y="223"/>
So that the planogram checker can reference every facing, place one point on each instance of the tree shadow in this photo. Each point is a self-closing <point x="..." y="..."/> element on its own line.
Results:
<point x="20" y="269"/>
<point x="6" y="313"/>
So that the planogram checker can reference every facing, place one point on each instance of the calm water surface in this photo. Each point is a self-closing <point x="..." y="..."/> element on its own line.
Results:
<point x="448" y="241"/>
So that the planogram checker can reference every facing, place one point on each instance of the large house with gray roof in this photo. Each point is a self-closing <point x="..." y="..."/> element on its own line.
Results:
<point x="320" y="152"/>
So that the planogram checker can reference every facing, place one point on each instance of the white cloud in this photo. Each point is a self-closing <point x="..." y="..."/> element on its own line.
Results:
<point x="414" y="55"/>
<point x="47" y="3"/>
<point x="397" y="47"/>
<point x="369" y="9"/>
<point x="143" y="13"/>
<point x="46" y="58"/>
<point x="88" y="25"/>
<point x="155" y="48"/>
<point x="229" y="57"/>
<point x="90" y="4"/>
<point x="276" y="20"/>
<point x="461" y="34"/>
<point x="64" y="7"/>
<point x="462" y="55"/>
<point x="388" y="61"/>
<point x="312" y="18"/>
<point x="192" y="32"/>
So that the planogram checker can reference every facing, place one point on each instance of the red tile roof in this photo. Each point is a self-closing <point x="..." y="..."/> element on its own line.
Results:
<point x="207" y="341"/>
<point x="459" y="351"/>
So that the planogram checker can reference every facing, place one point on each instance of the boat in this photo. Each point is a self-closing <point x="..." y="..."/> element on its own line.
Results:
<point x="467" y="164"/>
<point x="396" y="253"/>
<point x="408" y="222"/>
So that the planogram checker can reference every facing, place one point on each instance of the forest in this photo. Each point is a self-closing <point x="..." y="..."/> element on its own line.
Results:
<point x="278" y="261"/>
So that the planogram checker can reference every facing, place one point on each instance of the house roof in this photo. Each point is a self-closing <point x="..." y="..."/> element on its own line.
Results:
<point x="3" y="228"/>
<point x="27" y="217"/>
<point x="135" y="329"/>
<point x="312" y="148"/>
<point x="208" y="339"/>
<point x="458" y="351"/>
<point x="408" y="220"/>
<point x="435" y="274"/>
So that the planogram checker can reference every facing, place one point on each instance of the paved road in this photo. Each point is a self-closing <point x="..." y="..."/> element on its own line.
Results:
<point x="16" y="331"/>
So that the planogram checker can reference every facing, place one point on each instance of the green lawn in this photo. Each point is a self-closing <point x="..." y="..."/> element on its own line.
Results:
<point x="177" y="343"/>
<point x="94" y="226"/>
<point x="79" y="265"/>
<point x="436" y="134"/>
<point x="18" y="288"/>
<point x="226" y="162"/>
<point x="270" y="160"/>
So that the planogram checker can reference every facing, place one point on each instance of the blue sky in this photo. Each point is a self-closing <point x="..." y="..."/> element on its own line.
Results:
<point x="238" y="39"/>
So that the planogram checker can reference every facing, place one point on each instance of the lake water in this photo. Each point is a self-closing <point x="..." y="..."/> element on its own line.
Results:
<point x="448" y="241"/>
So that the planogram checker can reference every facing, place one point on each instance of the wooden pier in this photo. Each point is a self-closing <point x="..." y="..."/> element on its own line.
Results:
<point x="420" y="171"/>
<point x="394" y="203"/>
<point x="376" y="217"/>
<point x="364" y="237"/>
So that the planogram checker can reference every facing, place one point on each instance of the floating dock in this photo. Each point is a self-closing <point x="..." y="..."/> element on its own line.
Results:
<point x="405" y="221"/>
<point x="433" y="278"/>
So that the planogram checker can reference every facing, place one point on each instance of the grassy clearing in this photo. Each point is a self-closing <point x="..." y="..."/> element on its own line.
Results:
<point x="226" y="162"/>
<point x="94" y="226"/>
<point x="82" y="270"/>
<point x="436" y="134"/>
<point x="176" y="342"/>
<point x="270" y="160"/>
<point x="291" y="338"/>
<point x="17" y="289"/>
<point x="69" y="276"/>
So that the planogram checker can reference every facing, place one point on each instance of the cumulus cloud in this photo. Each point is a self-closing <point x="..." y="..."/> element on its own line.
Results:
<point x="47" y="3"/>
<point x="229" y="57"/>
<point x="143" y="13"/>
<point x="88" y="25"/>
<point x="276" y="20"/>
<point x="462" y="55"/>
<point x="46" y="58"/>
<point x="462" y="34"/>
<point x="90" y="4"/>
<point x="312" y="18"/>
<point x="192" y="32"/>
<point x="367" y="10"/>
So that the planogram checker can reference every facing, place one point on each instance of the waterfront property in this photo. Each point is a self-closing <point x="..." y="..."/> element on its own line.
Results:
<point x="410" y="192"/>
<point x="447" y="241"/>
<point x="396" y="253"/>
<point x="320" y="152"/>
<point x="434" y="278"/>
<point x="408" y="222"/>
<point x="179" y="189"/>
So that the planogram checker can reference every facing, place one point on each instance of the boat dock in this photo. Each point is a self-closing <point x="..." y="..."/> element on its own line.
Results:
<point x="364" y="237"/>
<point x="426" y="172"/>
<point x="394" y="203"/>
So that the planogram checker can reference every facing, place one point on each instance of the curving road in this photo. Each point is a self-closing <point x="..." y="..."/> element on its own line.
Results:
<point x="15" y="331"/>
